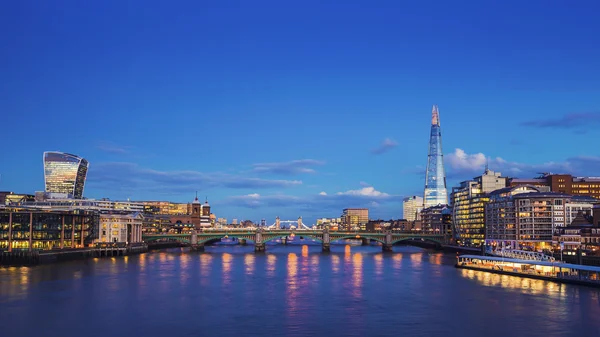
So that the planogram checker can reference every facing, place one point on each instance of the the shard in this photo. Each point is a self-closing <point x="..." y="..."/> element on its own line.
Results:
<point x="435" y="177"/>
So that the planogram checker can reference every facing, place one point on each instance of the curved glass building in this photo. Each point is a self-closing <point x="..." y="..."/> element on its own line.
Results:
<point x="435" y="179"/>
<point x="65" y="173"/>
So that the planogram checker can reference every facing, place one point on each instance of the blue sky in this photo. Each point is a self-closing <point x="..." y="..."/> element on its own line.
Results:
<point x="295" y="108"/>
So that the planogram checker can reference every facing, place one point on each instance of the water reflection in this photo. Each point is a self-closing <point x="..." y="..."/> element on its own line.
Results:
<point x="335" y="263"/>
<point x="184" y="270"/>
<point x="226" y="260"/>
<point x="292" y="284"/>
<point x="271" y="261"/>
<point x="378" y="258"/>
<point x="357" y="275"/>
<point x="205" y="268"/>
<point x="249" y="263"/>
<point x="304" y="251"/>
<point x="416" y="259"/>
<point x="531" y="286"/>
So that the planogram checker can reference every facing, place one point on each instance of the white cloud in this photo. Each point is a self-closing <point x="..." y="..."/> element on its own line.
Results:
<point x="290" y="167"/>
<point x="460" y="160"/>
<point x="365" y="192"/>
<point x="323" y="193"/>
<point x="385" y="146"/>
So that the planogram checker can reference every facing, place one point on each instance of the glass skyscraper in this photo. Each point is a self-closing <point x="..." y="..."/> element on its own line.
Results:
<point x="65" y="173"/>
<point x="435" y="178"/>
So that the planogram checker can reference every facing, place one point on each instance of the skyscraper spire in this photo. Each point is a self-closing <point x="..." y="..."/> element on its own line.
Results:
<point x="435" y="177"/>
<point x="435" y="116"/>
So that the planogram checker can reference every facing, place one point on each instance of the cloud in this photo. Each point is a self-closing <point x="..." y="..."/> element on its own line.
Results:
<point x="323" y="202"/>
<point x="568" y="121"/>
<point x="365" y="192"/>
<point x="123" y="176"/>
<point x="364" y="184"/>
<point x="462" y="164"/>
<point x="110" y="147"/>
<point x="290" y="167"/>
<point x="385" y="146"/>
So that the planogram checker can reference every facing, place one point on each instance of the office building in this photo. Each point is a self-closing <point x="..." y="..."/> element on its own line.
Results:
<point x="467" y="202"/>
<point x="564" y="183"/>
<point x="30" y="229"/>
<point x="65" y="174"/>
<point x="435" y="176"/>
<point x="411" y="207"/>
<point x="354" y="217"/>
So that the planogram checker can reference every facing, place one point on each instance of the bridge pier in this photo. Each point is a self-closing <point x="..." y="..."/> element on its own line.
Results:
<point x="387" y="242"/>
<point x="326" y="241"/>
<point x="326" y="248"/>
<point x="198" y="247"/>
<point x="259" y="247"/>
<point x="242" y="242"/>
<point x="366" y="241"/>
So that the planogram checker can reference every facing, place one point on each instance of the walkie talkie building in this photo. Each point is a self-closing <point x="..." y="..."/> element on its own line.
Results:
<point x="65" y="173"/>
<point x="435" y="178"/>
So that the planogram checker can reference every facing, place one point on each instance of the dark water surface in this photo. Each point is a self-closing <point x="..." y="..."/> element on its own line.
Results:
<point x="287" y="291"/>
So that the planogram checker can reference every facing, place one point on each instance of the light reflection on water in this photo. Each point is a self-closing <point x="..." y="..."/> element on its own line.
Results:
<point x="290" y="291"/>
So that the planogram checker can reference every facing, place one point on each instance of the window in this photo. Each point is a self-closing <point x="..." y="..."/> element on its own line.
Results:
<point x="558" y="202"/>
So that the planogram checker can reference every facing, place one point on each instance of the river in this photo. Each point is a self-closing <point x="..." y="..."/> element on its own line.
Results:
<point x="290" y="290"/>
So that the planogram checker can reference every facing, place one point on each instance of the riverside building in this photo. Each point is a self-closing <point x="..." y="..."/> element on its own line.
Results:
<point x="468" y="207"/>
<point x="523" y="217"/>
<point x="29" y="229"/>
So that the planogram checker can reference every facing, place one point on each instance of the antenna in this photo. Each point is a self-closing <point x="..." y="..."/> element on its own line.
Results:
<point x="487" y="162"/>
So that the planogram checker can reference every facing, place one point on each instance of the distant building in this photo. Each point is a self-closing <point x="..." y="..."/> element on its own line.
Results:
<point x="120" y="228"/>
<point x="3" y="195"/>
<point x="412" y="207"/>
<point x="222" y="221"/>
<point x="564" y="183"/>
<point x="467" y="203"/>
<point x="354" y="217"/>
<point x="437" y="220"/>
<point x="435" y="176"/>
<point x="234" y="221"/>
<point x="200" y="214"/>
<point x="17" y="199"/>
<point x="65" y="173"/>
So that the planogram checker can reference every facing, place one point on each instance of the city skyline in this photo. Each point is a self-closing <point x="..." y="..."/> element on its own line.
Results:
<point x="323" y="110"/>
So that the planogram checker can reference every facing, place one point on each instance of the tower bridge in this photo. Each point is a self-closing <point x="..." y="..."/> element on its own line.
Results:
<point x="198" y="239"/>
<point x="291" y="224"/>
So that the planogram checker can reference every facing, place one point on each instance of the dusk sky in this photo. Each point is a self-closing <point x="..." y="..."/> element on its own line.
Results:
<point x="295" y="108"/>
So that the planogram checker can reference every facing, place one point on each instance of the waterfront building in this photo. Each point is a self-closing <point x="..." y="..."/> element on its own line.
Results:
<point x="411" y="207"/>
<point x="580" y="234"/>
<point x="29" y="229"/>
<point x="435" y="176"/>
<point x="500" y="215"/>
<point x="354" y="217"/>
<point x="223" y="221"/>
<point x="65" y="174"/>
<point x="156" y="223"/>
<point x="564" y="183"/>
<point x="437" y="220"/>
<point x="120" y="227"/>
<point x="596" y="215"/>
<point x="3" y="195"/>
<point x="524" y="218"/>
<point x="468" y="207"/>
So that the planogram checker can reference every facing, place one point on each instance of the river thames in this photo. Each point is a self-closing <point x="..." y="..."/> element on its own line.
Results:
<point x="290" y="290"/>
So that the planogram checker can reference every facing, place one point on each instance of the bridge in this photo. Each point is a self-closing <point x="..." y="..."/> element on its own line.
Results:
<point x="198" y="239"/>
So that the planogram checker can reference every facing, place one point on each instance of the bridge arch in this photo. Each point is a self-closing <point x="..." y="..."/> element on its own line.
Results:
<point x="216" y="238"/>
<point x="418" y="238"/>
<point x="181" y="239"/>
<point x="334" y="238"/>
<point x="267" y="237"/>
